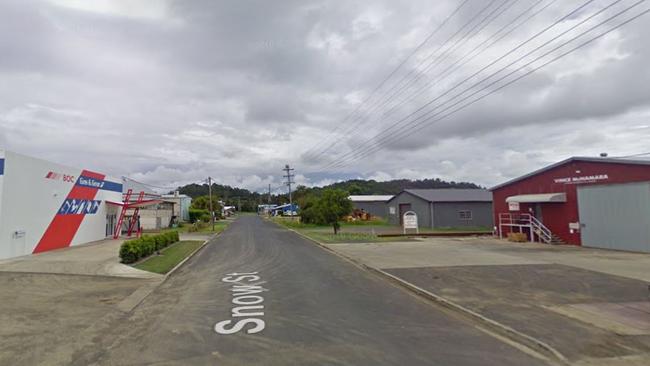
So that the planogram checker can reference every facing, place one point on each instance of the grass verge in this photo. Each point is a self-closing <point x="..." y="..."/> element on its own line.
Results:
<point x="169" y="257"/>
<point x="365" y="231"/>
<point x="330" y="238"/>
<point x="324" y="234"/>
<point x="219" y="226"/>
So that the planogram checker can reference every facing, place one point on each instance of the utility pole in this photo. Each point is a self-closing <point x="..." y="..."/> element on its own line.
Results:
<point x="288" y="170"/>
<point x="269" y="198"/>
<point x="210" y="194"/>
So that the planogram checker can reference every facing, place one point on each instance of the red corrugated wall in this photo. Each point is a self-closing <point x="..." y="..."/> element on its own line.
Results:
<point x="557" y="216"/>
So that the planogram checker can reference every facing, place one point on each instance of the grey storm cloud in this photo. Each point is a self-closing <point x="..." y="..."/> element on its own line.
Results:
<point x="169" y="92"/>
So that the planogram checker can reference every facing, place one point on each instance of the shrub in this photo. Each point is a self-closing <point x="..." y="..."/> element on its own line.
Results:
<point x="206" y="218"/>
<point x="161" y="241"/>
<point x="128" y="252"/>
<point x="133" y="250"/>
<point x="196" y="214"/>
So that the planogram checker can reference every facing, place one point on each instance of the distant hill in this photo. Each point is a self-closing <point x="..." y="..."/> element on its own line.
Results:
<point x="359" y="186"/>
<point x="249" y="200"/>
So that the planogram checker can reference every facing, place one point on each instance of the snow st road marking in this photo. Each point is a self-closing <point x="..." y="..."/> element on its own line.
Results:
<point x="248" y="305"/>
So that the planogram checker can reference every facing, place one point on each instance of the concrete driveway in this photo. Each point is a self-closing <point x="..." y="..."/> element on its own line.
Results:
<point x="471" y="251"/>
<point x="100" y="258"/>
<point x="591" y="305"/>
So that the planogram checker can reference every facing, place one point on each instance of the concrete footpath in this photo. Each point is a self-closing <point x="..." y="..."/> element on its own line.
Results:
<point x="99" y="258"/>
<point x="58" y="301"/>
<point x="591" y="306"/>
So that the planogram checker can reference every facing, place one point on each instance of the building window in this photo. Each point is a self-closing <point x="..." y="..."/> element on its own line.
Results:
<point x="465" y="215"/>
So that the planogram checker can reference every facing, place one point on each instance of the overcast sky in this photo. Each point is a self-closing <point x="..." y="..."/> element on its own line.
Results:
<point x="169" y="92"/>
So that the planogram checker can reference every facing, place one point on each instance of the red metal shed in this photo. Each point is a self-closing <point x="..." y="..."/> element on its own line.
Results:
<point x="545" y="203"/>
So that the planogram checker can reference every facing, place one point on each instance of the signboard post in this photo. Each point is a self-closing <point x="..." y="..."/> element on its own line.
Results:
<point x="410" y="221"/>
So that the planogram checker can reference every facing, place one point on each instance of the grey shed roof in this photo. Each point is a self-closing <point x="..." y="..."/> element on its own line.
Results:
<point x="451" y="195"/>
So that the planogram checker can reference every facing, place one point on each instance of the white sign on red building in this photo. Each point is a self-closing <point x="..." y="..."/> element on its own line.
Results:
<point x="583" y="179"/>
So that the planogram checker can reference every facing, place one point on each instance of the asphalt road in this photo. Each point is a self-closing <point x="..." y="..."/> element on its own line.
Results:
<point x="317" y="310"/>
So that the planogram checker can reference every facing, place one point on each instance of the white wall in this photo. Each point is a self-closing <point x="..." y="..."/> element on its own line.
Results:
<point x="30" y="202"/>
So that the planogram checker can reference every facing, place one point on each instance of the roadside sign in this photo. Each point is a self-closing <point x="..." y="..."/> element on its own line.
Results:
<point x="410" y="221"/>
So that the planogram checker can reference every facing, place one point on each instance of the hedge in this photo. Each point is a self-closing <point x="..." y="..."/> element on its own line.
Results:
<point x="132" y="250"/>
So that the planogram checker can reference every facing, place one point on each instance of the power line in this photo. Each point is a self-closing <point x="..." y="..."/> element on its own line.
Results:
<point x="373" y="105"/>
<point x="429" y="120"/>
<point x="377" y="144"/>
<point x="364" y="118"/>
<point x="399" y="66"/>
<point x="482" y="24"/>
<point x="458" y="64"/>
<point x="390" y="129"/>
<point x="421" y="73"/>
<point x="405" y="119"/>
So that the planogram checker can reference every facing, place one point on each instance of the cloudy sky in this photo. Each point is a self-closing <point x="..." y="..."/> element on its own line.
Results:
<point x="169" y="92"/>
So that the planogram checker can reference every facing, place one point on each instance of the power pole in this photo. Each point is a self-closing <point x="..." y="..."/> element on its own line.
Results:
<point x="210" y="194"/>
<point x="289" y="176"/>
<point x="269" y="199"/>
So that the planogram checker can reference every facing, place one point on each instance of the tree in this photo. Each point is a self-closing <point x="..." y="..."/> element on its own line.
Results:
<point x="202" y="203"/>
<point x="332" y="206"/>
<point x="355" y="189"/>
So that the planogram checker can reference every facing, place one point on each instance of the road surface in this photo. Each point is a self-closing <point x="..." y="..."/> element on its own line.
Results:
<point x="317" y="310"/>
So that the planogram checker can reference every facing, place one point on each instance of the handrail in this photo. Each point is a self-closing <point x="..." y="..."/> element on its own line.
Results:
<point x="541" y="230"/>
<point x="525" y="219"/>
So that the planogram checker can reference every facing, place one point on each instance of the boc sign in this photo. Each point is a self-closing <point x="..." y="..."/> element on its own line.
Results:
<point x="410" y="221"/>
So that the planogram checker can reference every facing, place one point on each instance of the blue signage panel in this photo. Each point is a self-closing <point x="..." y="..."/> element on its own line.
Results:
<point x="99" y="184"/>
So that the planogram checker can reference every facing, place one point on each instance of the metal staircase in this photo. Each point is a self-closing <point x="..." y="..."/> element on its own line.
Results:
<point x="535" y="227"/>
<point x="543" y="233"/>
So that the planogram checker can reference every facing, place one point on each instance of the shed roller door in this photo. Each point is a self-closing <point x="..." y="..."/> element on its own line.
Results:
<point x="615" y="216"/>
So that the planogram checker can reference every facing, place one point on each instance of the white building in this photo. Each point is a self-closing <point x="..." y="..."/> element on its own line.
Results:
<point x="181" y="203"/>
<point x="46" y="206"/>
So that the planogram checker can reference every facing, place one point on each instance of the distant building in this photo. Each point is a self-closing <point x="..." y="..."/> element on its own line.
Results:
<point x="181" y="203"/>
<point x="375" y="205"/>
<point x="439" y="208"/>
<point x="157" y="213"/>
<point x="285" y="210"/>
<point x="228" y="210"/>
<point x="265" y="209"/>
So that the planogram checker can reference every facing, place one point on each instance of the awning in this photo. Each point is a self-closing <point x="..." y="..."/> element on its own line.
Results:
<point x="538" y="198"/>
<point x="114" y="203"/>
<point x="136" y="204"/>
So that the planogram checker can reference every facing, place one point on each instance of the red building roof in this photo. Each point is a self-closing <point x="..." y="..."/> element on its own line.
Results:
<point x="572" y="159"/>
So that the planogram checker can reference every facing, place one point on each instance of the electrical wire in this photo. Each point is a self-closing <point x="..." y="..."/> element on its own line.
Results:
<point x="373" y="106"/>
<point x="458" y="64"/>
<point x="390" y="75"/>
<point x="436" y="62"/>
<point x="534" y="69"/>
<point x="391" y="128"/>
